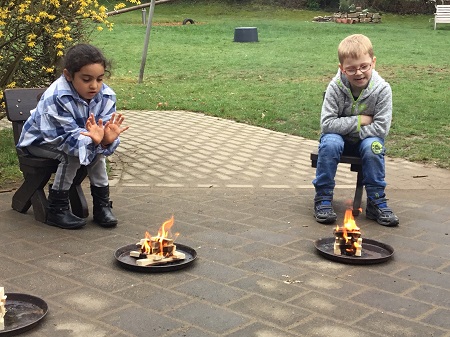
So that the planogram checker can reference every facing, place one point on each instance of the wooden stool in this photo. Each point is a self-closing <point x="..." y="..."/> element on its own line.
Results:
<point x="37" y="171"/>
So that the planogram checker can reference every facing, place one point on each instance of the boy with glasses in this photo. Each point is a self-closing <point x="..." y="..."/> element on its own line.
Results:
<point x="355" y="119"/>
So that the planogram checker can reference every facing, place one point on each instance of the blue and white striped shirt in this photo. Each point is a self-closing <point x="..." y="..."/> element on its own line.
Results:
<point x="61" y="115"/>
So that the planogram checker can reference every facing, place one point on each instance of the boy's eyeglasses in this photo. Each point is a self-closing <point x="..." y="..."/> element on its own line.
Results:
<point x="363" y="68"/>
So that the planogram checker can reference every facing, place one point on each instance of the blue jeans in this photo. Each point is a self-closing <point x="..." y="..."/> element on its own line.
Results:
<point x="371" y="150"/>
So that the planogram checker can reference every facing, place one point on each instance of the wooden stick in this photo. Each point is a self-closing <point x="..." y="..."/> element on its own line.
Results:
<point x="158" y="259"/>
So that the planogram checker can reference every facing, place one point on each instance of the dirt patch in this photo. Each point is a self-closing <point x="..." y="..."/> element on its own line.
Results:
<point x="9" y="186"/>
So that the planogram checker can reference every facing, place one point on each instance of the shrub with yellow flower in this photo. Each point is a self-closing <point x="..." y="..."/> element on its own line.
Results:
<point x="35" y="34"/>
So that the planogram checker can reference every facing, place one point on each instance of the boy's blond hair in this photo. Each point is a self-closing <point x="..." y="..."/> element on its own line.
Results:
<point x="354" y="46"/>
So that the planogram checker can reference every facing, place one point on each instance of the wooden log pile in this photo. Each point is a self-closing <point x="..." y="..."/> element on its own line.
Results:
<point x="347" y="243"/>
<point x="157" y="251"/>
<point x="2" y="308"/>
<point x="358" y="16"/>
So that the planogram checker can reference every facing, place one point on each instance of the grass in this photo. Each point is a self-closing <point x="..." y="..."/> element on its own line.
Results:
<point x="9" y="170"/>
<point x="278" y="82"/>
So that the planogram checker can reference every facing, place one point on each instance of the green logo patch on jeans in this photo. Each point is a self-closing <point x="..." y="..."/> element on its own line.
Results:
<point x="377" y="147"/>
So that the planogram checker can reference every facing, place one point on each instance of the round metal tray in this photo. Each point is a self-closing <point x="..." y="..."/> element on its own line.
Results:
<point x="23" y="312"/>
<point x="122" y="256"/>
<point x="372" y="252"/>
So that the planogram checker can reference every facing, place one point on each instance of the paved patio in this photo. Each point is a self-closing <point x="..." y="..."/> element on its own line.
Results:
<point x="242" y="198"/>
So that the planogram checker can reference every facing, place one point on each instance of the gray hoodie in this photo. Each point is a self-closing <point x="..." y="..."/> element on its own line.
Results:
<point x="340" y="110"/>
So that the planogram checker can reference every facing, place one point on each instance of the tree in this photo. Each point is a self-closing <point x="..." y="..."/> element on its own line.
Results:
<point x="35" y="33"/>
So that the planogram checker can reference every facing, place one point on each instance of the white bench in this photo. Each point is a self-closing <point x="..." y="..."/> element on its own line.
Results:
<point x="442" y="14"/>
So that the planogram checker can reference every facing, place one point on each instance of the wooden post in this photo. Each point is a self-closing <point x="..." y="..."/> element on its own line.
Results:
<point x="147" y="38"/>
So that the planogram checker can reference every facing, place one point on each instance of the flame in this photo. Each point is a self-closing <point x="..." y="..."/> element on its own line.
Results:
<point x="163" y="239"/>
<point x="145" y="246"/>
<point x="349" y="221"/>
<point x="348" y="229"/>
<point x="163" y="231"/>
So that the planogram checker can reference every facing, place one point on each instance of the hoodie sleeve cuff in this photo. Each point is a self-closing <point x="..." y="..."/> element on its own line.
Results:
<point x="358" y="128"/>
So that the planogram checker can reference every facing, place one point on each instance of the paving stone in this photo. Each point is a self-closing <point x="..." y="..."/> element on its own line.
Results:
<point x="68" y="324"/>
<point x="278" y="313"/>
<point x="394" y="325"/>
<point x="88" y="301"/>
<point x="260" y="330"/>
<point x="326" y="327"/>
<point x="433" y="295"/>
<point x="331" y="306"/>
<point x="23" y="250"/>
<point x="269" y="268"/>
<point x="257" y="272"/>
<point x="282" y="290"/>
<point x="140" y="321"/>
<point x="209" y="317"/>
<point x="392" y="303"/>
<point x="427" y="276"/>
<point x="44" y="284"/>
<point x="11" y="268"/>
<point x="190" y="332"/>
<point x="216" y="293"/>
<point x="152" y="296"/>
<point x="439" y="318"/>
<point x="217" y="272"/>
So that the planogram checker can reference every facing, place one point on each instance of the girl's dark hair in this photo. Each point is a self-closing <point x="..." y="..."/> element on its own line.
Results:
<point x="81" y="55"/>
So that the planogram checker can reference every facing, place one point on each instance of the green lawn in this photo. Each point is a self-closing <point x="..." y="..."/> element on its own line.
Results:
<point x="277" y="83"/>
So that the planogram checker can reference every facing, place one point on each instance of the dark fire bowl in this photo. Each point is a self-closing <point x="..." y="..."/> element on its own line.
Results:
<point x="123" y="258"/>
<point x="372" y="252"/>
<point x="23" y="312"/>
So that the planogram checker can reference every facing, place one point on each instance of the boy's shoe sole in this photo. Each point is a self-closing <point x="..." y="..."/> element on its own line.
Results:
<point x="390" y="222"/>
<point x="324" y="214"/>
<point x="331" y="218"/>
<point x="387" y="218"/>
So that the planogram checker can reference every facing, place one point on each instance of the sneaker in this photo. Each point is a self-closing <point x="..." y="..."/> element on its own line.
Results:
<point x="378" y="210"/>
<point x="323" y="209"/>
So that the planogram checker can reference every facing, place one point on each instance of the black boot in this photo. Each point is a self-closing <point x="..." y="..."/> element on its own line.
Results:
<point x="102" y="207"/>
<point x="58" y="212"/>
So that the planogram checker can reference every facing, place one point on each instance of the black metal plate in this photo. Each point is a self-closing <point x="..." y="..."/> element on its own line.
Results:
<point x="372" y="252"/>
<point x="124" y="259"/>
<point x="23" y="312"/>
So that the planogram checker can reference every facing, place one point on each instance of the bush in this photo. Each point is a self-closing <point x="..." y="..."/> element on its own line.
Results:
<point x="403" y="6"/>
<point x="34" y="35"/>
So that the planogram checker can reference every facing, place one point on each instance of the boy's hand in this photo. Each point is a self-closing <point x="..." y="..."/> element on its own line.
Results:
<point x="366" y="120"/>
<point x="113" y="129"/>
<point x="94" y="130"/>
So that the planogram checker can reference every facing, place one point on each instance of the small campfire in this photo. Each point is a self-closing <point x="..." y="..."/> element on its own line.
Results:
<point x="348" y="239"/>
<point x="157" y="250"/>
<point x="2" y="308"/>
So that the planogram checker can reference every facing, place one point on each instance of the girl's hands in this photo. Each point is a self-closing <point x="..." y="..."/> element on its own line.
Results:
<point x="113" y="128"/>
<point x="94" y="130"/>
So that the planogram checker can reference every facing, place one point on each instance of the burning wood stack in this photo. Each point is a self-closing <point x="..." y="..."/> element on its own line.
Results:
<point x="348" y="239"/>
<point x="159" y="249"/>
<point x="2" y="308"/>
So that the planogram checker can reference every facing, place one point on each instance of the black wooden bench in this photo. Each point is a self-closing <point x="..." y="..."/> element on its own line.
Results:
<point x="355" y="166"/>
<point x="37" y="171"/>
